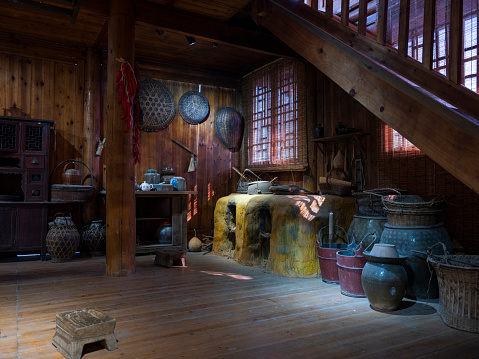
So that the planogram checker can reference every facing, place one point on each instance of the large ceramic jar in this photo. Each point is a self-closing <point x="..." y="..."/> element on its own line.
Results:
<point x="366" y="229"/>
<point x="384" y="281"/>
<point x="63" y="239"/>
<point x="93" y="239"/>
<point x="414" y="242"/>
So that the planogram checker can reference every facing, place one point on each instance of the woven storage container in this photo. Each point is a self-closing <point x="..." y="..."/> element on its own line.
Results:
<point x="405" y="218"/>
<point x="229" y="126"/>
<point x="369" y="202"/>
<point x="412" y="203"/>
<point x="193" y="107"/>
<point x="157" y="105"/>
<point x="71" y="193"/>
<point x="458" y="278"/>
<point x="63" y="239"/>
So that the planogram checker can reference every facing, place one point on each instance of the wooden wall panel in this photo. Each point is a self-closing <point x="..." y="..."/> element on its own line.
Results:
<point x="213" y="176"/>
<point x="46" y="90"/>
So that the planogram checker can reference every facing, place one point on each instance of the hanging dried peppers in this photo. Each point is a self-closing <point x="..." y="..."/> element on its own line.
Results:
<point x="128" y="84"/>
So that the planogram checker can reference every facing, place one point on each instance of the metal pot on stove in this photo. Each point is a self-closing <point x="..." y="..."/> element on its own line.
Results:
<point x="259" y="187"/>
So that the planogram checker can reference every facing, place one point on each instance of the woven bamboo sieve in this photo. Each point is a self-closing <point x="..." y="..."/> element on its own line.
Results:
<point x="157" y="105"/>
<point x="193" y="107"/>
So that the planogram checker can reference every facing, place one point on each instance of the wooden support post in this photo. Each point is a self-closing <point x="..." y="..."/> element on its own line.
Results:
<point x="403" y="27"/>
<point x="91" y="127"/>
<point x="120" y="190"/>
<point x="382" y="22"/>
<point x="310" y="179"/>
<point x="455" y="40"/>
<point x="428" y="39"/>
<point x="314" y="4"/>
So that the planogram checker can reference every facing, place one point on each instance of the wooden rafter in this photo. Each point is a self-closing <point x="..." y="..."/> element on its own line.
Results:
<point x="157" y="16"/>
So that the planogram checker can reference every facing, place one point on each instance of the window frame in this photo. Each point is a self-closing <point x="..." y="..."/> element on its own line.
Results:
<point x="274" y="102"/>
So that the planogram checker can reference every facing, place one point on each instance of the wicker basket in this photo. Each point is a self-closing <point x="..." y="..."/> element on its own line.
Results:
<point x="412" y="203"/>
<point x="369" y="202"/>
<point x="405" y="218"/>
<point x="193" y="107"/>
<point x="458" y="279"/>
<point x="229" y="126"/>
<point x="157" y="105"/>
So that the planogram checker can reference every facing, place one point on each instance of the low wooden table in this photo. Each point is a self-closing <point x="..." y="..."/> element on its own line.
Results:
<point x="79" y="327"/>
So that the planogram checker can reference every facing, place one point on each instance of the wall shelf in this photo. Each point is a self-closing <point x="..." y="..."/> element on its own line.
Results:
<point x="356" y="136"/>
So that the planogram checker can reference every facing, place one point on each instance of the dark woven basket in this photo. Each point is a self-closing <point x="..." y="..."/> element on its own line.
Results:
<point x="157" y="105"/>
<point x="229" y="126"/>
<point x="193" y="107"/>
<point x="369" y="202"/>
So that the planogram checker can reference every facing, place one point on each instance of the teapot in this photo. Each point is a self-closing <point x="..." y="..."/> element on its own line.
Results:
<point x="71" y="176"/>
<point x="146" y="186"/>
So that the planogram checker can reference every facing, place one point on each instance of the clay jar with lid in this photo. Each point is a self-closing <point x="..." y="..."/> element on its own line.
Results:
<point x="384" y="279"/>
<point x="152" y="177"/>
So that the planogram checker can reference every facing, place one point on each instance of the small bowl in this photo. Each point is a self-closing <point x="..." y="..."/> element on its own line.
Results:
<point x="384" y="250"/>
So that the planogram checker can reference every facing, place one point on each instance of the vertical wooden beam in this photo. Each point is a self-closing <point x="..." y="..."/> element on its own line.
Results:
<point x="91" y="126"/>
<point x="345" y="12"/>
<point x="382" y="22"/>
<point x="314" y="4"/>
<point x="428" y="39"/>
<point x="120" y="181"/>
<point x="403" y="27"/>
<point x="363" y="16"/>
<point x="329" y="8"/>
<point x="310" y="179"/>
<point x="456" y="42"/>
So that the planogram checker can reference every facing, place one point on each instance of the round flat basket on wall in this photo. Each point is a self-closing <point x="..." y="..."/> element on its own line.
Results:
<point x="229" y="125"/>
<point x="193" y="107"/>
<point x="157" y="105"/>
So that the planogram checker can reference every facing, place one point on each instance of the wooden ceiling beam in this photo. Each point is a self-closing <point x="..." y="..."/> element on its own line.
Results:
<point x="35" y="5"/>
<point x="447" y="137"/>
<point x="161" y="17"/>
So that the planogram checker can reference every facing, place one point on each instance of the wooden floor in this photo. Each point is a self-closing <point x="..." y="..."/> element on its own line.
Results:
<point x="213" y="308"/>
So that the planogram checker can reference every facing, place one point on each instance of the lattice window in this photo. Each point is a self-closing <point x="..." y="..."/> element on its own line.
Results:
<point x="8" y="136"/>
<point x="275" y="117"/>
<point x="33" y="138"/>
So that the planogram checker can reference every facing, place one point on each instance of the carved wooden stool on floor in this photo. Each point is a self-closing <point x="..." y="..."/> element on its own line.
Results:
<point x="171" y="258"/>
<point x="79" y="327"/>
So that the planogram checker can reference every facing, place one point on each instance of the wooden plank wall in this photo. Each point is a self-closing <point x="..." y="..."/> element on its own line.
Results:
<point x="46" y="90"/>
<point x="54" y="91"/>
<point x="213" y="177"/>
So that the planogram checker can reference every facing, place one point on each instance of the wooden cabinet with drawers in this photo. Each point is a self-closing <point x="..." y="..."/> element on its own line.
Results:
<point x="24" y="175"/>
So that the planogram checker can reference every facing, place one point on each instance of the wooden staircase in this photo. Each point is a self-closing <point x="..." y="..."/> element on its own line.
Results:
<point x="436" y="113"/>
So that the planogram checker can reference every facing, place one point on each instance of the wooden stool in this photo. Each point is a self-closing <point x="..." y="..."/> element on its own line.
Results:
<point x="79" y="327"/>
<point x="170" y="257"/>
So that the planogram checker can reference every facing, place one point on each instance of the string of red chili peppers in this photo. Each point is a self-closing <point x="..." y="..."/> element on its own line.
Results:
<point x="128" y="84"/>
